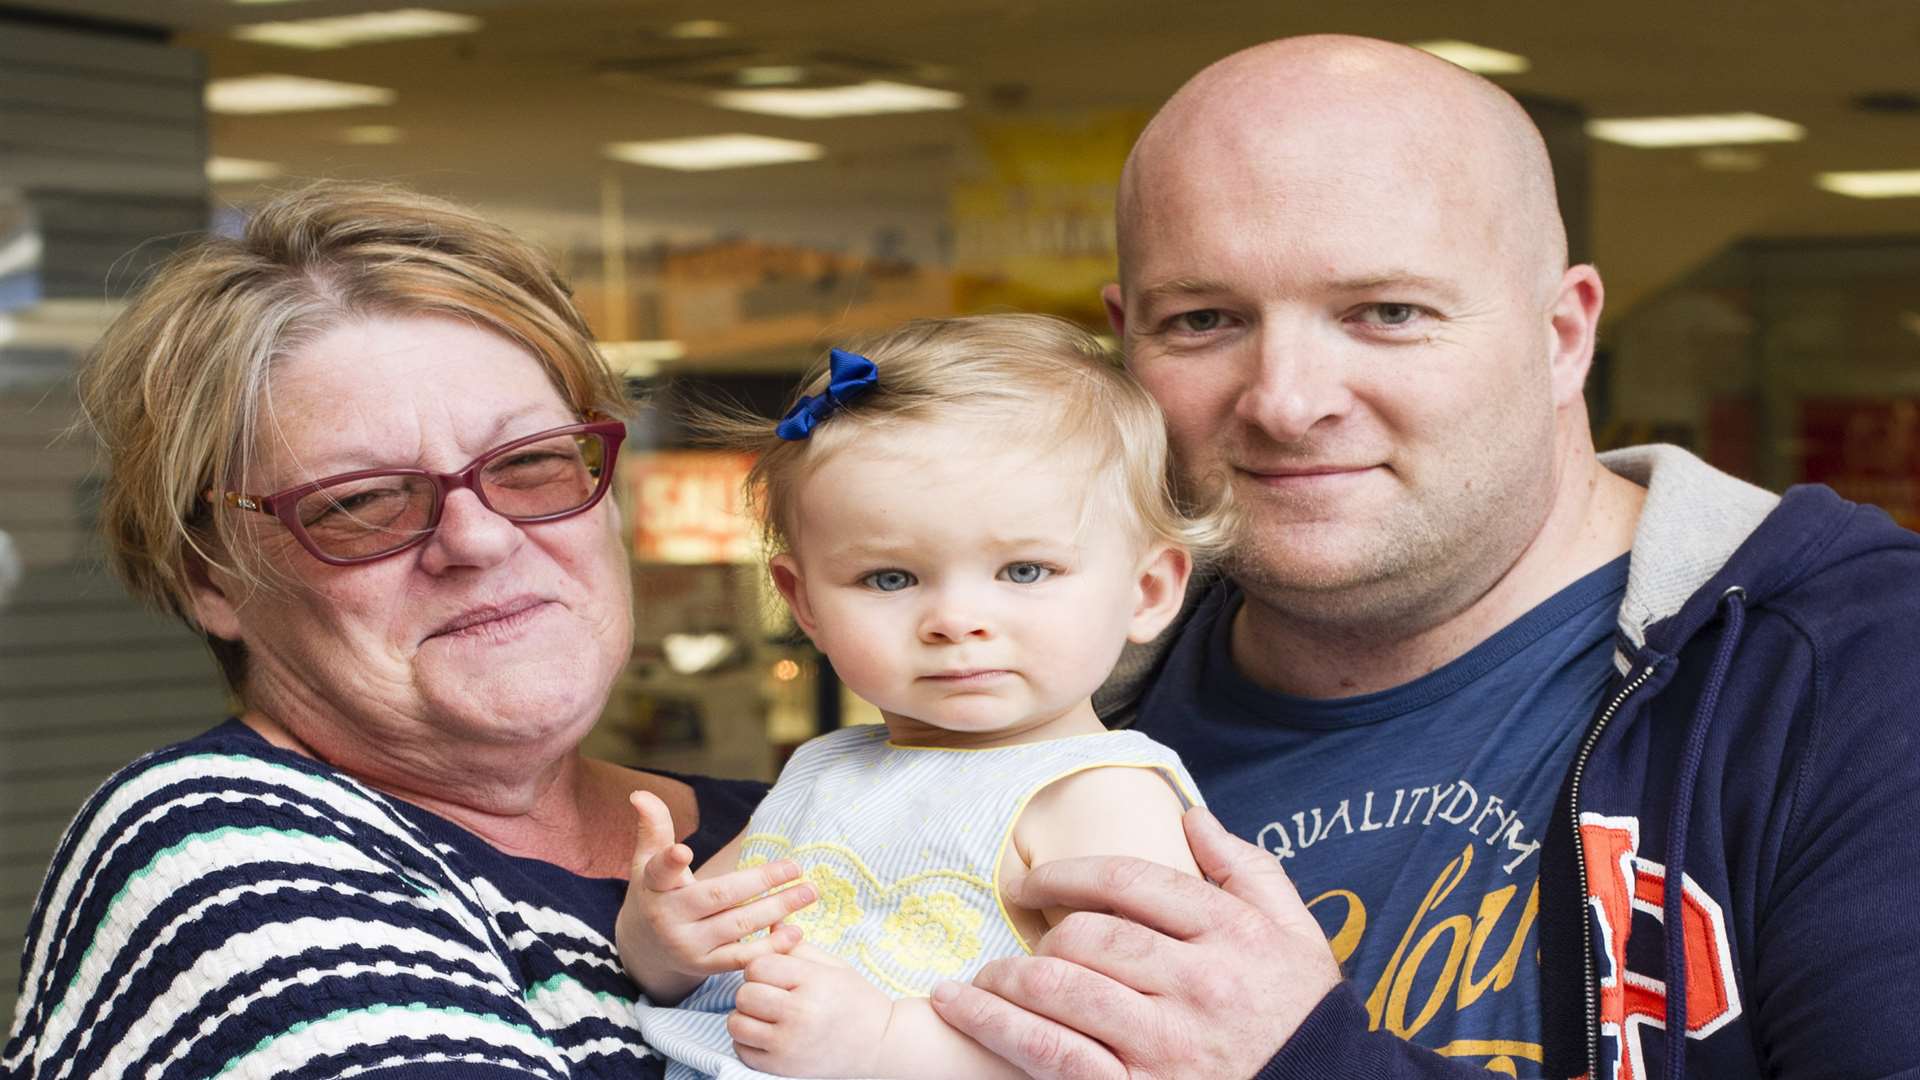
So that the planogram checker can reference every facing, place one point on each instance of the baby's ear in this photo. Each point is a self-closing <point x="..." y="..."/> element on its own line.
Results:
<point x="1162" y="584"/>
<point x="793" y="589"/>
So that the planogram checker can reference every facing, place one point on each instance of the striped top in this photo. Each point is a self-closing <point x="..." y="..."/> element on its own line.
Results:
<point x="223" y="908"/>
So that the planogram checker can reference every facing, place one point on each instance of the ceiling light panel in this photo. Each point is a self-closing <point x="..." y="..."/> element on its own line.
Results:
<point x="707" y="152"/>
<point x="1477" y="58"/>
<point x="1881" y="184"/>
<point x="700" y="30"/>
<point x="1724" y="129"/>
<point x="341" y="31"/>
<point x="225" y="170"/>
<point x="860" y="99"/>
<point x="290" y="93"/>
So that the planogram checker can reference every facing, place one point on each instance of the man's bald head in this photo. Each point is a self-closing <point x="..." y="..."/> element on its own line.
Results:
<point x="1312" y="107"/>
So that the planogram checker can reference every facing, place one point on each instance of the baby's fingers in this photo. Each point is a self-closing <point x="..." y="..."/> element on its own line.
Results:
<point x="734" y="923"/>
<point x="728" y="892"/>
<point x="652" y="841"/>
<point x="736" y="955"/>
<point x="667" y="870"/>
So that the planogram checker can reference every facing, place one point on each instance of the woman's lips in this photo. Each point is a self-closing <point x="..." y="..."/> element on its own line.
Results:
<point x="492" y="620"/>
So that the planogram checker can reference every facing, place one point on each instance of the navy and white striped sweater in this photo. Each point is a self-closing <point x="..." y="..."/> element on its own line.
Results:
<point x="223" y="908"/>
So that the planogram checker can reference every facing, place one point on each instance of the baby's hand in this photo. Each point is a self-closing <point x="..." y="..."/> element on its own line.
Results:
<point x="806" y="1013"/>
<point x="674" y="931"/>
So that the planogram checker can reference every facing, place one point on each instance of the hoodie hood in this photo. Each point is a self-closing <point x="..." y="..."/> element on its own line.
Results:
<point x="1694" y="519"/>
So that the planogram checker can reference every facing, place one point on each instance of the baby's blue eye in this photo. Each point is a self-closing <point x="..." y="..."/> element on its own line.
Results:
<point x="887" y="580"/>
<point x="1026" y="573"/>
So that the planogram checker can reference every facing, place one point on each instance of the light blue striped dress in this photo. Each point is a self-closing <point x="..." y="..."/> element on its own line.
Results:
<point x="903" y="845"/>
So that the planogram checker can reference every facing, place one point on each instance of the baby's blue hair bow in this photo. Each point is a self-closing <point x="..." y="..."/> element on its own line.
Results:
<point x="850" y="376"/>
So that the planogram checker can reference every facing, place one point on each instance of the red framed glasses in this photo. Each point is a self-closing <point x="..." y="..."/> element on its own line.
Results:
<point x="361" y="516"/>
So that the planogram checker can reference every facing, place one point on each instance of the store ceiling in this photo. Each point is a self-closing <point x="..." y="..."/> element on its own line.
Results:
<point x="514" y="116"/>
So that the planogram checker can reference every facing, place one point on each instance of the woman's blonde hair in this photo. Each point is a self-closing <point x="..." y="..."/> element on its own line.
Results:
<point x="174" y="388"/>
<point x="1020" y="376"/>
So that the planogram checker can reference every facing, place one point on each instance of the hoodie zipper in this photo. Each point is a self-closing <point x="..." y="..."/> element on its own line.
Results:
<point x="1580" y="852"/>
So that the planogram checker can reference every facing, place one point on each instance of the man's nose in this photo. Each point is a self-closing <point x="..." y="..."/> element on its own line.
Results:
<point x="1294" y="383"/>
<point x="469" y="535"/>
<point x="952" y="616"/>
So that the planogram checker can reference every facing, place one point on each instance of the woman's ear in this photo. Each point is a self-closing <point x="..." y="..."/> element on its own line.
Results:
<point x="793" y="589"/>
<point x="210" y="600"/>
<point x="1162" y="586"/>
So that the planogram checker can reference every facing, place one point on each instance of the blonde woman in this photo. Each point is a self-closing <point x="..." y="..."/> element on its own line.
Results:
<point x="364" y="449"/>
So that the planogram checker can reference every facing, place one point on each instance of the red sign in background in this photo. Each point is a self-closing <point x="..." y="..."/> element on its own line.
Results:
<point x="688" y="507"/>
<point x="1867" y="449"/>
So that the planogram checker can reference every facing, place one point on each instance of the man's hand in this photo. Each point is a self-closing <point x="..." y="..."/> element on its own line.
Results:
<point x="674" y="931"/>
<point x="807" y="1013"/>
<point x="1155" y="974"/>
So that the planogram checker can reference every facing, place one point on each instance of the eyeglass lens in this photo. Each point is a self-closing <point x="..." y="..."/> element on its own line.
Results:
<point x="358" y="519"/>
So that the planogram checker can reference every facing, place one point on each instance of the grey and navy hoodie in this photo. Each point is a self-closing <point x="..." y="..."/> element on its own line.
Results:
<point x="1760" y="744"/>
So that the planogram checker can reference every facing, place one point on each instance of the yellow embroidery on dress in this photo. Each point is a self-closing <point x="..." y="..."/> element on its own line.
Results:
<point x="939" y="932"/>
<point x="858" y="864"/>
<point x="835" y="912"/>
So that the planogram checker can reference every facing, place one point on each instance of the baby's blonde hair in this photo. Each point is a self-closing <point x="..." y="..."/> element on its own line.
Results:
<point x="1013" y="374"/>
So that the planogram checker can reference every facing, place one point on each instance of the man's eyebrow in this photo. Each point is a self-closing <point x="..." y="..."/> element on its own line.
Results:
<point x="1398" y="279"/>
<point x="1181" y="287"/>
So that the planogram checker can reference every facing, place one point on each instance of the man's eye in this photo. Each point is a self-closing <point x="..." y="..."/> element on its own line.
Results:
<point x="1026" y="573"/>
<point x="1199" y="322"/>
<point x="887" y="580"/>
<point x="1391" y="314"/>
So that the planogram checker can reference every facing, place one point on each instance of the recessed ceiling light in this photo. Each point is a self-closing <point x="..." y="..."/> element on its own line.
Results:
<point x="705" y="152"/>
<point x="861" y="99"/>
<point x="1711" y="130"/>
<point x="226" y="170"/>
<point x="641" y="359"/>
<point x="340" y="31"/>
<point x="371" y="135"/>
<point x="695" y="29"/>
<point x="1730" y="159"/>
<point x="770" y="75"/>
<point x="290" y="93"/>
<point x="1476" y="58"/>
<point x="1881" y="184"/>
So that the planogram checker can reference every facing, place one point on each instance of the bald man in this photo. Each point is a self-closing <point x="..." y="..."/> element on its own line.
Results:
<point x="1448" y="632"/>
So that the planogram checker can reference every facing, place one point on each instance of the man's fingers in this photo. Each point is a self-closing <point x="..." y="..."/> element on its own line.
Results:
<point x="1061" y="991"/>
<point x="1176" y="904"/>
<point x="1034" y="1044"/>
<point x="1242" y="869"/>
<point x="1120" y="949"/>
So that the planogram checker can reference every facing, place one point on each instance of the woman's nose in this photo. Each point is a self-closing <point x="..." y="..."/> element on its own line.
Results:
<point x="469" y="535"/>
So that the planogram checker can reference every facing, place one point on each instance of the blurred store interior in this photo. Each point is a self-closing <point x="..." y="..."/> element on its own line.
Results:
<point x="731" y="187"/>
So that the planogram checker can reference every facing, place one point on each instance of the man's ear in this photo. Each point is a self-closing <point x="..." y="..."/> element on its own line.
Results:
<point x="1575" y="319"/>
<point x="793" y="589"/>
<point x="1116" y="310"/>
<point x="210" y="599"/>
<point x="1162" y="585"/>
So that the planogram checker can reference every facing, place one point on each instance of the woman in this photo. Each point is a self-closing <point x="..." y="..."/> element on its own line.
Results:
<point x="363" y="449"/>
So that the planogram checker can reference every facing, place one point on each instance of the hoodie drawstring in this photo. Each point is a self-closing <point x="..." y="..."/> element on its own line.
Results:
<point x="1733" y="609"/>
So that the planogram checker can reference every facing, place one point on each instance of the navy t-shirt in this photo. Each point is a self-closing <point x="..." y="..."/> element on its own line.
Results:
<point x="1410" y="819"/>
